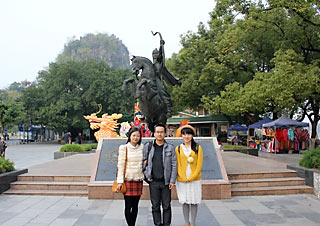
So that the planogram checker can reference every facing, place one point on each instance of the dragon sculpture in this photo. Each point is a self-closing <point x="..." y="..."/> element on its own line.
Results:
<point x="107" y="124"/>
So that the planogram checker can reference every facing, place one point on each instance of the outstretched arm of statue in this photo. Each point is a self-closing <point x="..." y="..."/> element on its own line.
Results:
<point x="161" y="50"/>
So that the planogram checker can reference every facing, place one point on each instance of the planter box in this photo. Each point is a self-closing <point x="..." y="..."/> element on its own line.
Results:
<point x="58" y="154"/>
<point x="9" y="177"/>
<point x="312" y="176"/>
<point x="248" y="151"/>
<point x="305" y="173"/>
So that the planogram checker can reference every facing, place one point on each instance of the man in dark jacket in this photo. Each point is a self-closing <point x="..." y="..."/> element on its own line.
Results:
<point x="160" y="169"/>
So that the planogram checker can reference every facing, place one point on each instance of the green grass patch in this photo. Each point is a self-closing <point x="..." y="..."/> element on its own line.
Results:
<point x="76" y="148"/>
<point x="311" y="159"/>
<point x="6" y="165"/>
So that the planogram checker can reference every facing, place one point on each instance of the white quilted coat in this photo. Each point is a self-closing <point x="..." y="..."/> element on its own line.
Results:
<point x="134" y="162"/>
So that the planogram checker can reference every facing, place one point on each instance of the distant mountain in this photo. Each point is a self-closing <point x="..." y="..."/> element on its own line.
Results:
<point x="100" y="47"/>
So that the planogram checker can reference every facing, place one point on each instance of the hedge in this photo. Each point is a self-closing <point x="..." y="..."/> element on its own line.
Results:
<point x="6" y="165"/>
<point x="311" y="159"/>
<point x="76" y="148"/>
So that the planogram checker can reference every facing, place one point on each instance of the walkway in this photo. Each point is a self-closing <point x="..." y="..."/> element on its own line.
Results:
<point x="26" y="155"/>
<point x="286" y="210"/>
<point x="291" y="159"/>
<point x="236" y="162"/>
<point x="75" y="165"/>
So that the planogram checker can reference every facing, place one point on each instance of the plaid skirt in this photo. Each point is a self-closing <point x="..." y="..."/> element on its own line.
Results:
<point x="134" y="188"/>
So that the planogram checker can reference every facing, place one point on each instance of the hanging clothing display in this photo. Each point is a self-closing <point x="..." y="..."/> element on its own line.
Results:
<point x="286" y="139"/>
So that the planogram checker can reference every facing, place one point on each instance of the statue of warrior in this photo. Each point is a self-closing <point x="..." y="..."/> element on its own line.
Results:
<point x="154" y="99"/>
<point x="163" y="74"/>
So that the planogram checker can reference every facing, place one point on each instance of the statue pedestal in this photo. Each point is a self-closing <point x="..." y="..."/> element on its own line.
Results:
<point x="215" y="183"/>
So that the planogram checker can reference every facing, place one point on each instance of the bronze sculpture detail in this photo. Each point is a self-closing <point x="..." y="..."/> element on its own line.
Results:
<point x="154" y="99"/>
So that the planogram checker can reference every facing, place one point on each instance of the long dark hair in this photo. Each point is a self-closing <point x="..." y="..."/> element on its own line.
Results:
<point x="194" y="145"/>
<point x="132" y="130"/>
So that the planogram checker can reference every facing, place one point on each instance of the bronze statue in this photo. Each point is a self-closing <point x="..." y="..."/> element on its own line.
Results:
<point x="154" y="99"/>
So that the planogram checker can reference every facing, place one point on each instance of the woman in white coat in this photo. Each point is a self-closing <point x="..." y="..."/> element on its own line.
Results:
<point x="133" y="176"/>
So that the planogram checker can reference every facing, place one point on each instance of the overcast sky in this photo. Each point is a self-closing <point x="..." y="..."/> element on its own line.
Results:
<point x="33" y="32"/>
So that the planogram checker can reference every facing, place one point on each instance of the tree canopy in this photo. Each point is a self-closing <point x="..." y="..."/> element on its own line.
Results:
<point x="254" y="58"/>
<point x="65" y="92"/>
<point x="11" y="113"/>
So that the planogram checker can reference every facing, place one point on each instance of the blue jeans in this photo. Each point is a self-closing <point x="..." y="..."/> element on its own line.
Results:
<point x="160" y="195"/>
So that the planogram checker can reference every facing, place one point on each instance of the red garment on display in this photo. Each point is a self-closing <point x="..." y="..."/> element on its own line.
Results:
<point x="296" y="135"/>
<point x="305" y="135"/>
<point x="285" y="134"/>
<point x="279" y="135"/>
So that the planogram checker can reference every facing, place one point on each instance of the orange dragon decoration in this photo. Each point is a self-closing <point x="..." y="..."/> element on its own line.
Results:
<point x="107" y="124"/>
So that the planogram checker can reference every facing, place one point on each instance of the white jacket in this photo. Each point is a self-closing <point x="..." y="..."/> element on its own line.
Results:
<point x="134" y="162"/>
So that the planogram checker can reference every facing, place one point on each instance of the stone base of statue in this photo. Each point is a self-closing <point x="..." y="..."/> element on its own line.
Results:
<point x="215" y="183"/>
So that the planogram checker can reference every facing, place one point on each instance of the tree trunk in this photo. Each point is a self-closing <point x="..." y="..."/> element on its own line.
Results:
<point x="314" y="129"/>
<point x="315" y="107"/>
<point x="314" y="121"/>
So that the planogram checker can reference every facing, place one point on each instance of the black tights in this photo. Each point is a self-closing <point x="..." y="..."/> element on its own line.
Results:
<point x="131" y="209"/>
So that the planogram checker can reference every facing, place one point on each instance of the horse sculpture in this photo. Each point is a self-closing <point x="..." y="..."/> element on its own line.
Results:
<point x="149" y="90"/>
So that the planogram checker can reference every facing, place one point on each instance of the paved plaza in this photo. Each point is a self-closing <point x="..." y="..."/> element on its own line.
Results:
<point x="287" y="210"/>
<point x="26" y="155"/>
<point x="27" y="210"/>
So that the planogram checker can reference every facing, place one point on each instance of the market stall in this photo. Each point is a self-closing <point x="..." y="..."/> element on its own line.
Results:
<point x="237" y="134"/>
<point x="285" y="135"/>
<point x="255" y="133"/>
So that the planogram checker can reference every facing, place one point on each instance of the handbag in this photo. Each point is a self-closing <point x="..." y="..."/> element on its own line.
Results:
<point x="115" y="184"/>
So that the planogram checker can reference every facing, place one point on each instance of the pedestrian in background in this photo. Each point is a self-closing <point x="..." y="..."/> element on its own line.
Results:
<point x="3" y="147"/>
<point x="79" y="138"/>
<point x="67" y="138"/>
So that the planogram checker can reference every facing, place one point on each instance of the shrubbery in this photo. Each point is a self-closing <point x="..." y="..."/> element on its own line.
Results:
<point x="6" y="165"/>
<point x="78" y="147"/>
<point x="94" y="145"/>
<point x="311" y="159"/>
<point x="236" y="147"/>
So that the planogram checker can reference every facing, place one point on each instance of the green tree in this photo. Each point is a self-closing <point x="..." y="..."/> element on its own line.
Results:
<point x="290" y="83"/>
<point x="15" y="86"/>
<point x="19" y="86"/>
<point x="11" y="113"/>
<point x="230" y="50"/>
<point x="283" y="90"/>
<point x="32" y="99"/>
<point x="66" y="92"/>
<point x="256" y="57"/>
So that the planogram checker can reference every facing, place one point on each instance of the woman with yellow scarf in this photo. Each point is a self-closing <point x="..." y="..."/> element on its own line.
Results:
<point x="189" y="164"/>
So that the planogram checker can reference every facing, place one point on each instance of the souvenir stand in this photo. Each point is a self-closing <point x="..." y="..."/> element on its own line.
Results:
<point x="237" y="133"/>
<point x="286" y="135"/>
<point x="255" y="137"/>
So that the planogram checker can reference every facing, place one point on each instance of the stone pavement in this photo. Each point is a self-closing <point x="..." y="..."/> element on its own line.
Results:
<point x="290" y="159"/>
<point x="63" y="211"/>
<point x="236" y="162"/>
<point x="26" y="155"/>
<point x="287" y="210"/>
